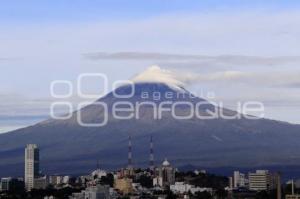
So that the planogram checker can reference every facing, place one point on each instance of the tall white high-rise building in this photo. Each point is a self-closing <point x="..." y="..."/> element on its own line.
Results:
<point x="239" y="179"/>
<point x="31" y="165"/>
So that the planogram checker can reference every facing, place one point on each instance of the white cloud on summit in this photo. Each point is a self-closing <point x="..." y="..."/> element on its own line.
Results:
<point x="154" y="74"/>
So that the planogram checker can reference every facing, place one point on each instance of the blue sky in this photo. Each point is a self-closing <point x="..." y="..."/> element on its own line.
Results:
<point x="42" y="41"/>
<point x="32" y="11"/>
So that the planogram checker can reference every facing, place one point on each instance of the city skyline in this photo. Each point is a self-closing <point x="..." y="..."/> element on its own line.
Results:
<point x="176" y="99"/>
<point x="129" y="181"/>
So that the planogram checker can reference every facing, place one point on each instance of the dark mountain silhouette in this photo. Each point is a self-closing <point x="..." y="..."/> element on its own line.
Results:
<point x="67" y="147"/>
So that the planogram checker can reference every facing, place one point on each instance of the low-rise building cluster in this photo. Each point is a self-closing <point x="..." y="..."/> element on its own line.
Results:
<point x="163" y="181"/>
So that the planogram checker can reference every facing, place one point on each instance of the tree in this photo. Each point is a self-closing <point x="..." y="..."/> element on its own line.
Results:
<point x="170" y="195"/>
<point x="221" y="193"/>
<point x="108" y="180"/>
<point x="203" y="195"/>
<point x="145" y="181"/>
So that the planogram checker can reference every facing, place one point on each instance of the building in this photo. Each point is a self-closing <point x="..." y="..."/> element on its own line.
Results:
<point x="93" y="192"/>
<point x="157" y="181"/>
<point x="98" y="173"/>
<point x="84" y="179"/>
<point x="49" y="197"/>
<point x="31" y="165"/>
<point x="165" y="175"/>
<point x="40" y="182"/>
<point x="239" y="179"/>
<point x="11" y="184"/>
<point x="126" y="173"/>
<point x="261" y="180"/>
<point x="230" y="181"/>
<point x="181" y="188"/>
<point x="5" y="184"/>
<point x="55" y="180"/>
<point x="66" y="179"/>
<point x="124" y="185"/>
<point x="97" y="192"/>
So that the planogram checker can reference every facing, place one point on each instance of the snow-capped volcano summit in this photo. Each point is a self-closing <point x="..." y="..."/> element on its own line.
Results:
<point x="155" y="74"/>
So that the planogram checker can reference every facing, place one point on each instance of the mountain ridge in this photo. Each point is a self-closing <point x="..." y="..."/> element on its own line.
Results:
<point x="211" y="143"/>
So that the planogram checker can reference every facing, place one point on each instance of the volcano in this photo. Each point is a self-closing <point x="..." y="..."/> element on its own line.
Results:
<point x="68" y="147"/>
